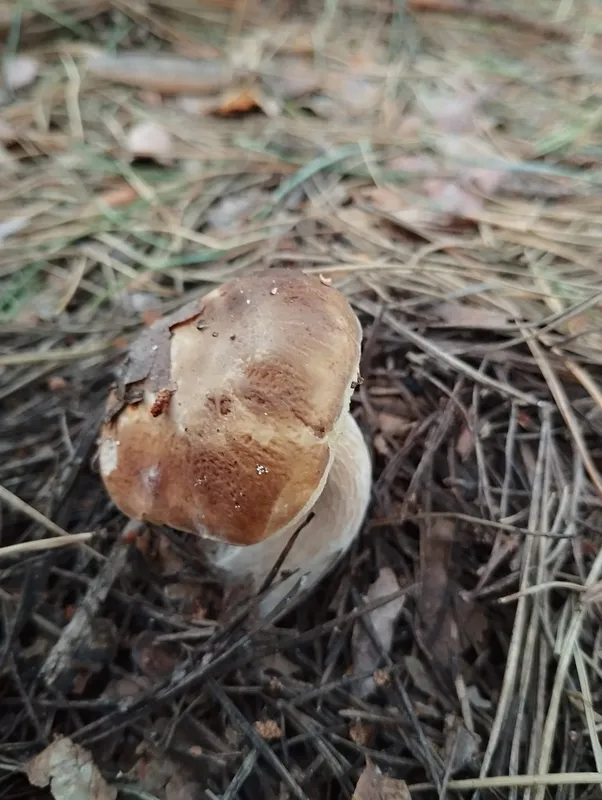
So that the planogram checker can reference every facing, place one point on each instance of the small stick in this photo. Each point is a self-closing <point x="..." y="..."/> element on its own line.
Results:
<point x="45" y="544"/>
<point x="77" y="630"/>
<point x="17" y="504"/>
<point x="511" y="18"/>
<point x="508" y="781"/>
<point x="67" y="354"/>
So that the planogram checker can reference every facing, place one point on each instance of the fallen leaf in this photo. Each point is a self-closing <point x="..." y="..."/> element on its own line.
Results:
<point x="373" y="785"/>
<point x="70" y="771"/>
<point x="167" y="74"/>
<point x="149" y="139"/>
<point x="366" y="658"/>
<point x="20" y="71"/>
<point x="236" y="101"/>
<point x="458" y="315"/>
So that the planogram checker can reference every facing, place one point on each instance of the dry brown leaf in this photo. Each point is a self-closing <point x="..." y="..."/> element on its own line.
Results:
<point x="373" y="785"/>
<point x="162" y="73"/>
<point x="458" y="315"/>
<point x="149" y="139"/>
<point x="237" y="101"/>
<point x="366" y="657"/>
<point x="20" y="71"/>
<point x="70" y="771"/>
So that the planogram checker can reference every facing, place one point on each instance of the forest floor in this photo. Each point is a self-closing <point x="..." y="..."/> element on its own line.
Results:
<point x="441" y="162"/>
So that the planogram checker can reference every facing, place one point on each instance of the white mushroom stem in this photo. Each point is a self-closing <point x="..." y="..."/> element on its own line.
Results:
<point x="338" y="516"/>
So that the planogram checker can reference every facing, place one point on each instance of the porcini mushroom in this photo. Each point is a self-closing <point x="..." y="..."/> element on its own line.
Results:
<point x="231" y="420"/>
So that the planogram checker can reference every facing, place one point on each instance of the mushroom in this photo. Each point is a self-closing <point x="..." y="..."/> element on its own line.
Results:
<point x="230" y="420"/>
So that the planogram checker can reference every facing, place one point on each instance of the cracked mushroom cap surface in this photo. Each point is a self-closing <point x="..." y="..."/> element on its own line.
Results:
<point x="225" y="416"/>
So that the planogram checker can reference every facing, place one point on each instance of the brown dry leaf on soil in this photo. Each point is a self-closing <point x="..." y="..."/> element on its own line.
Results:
<point x="70" y="772"/>
<point x="365" y="655"/>
<point x="373" y="785"/>
<point x="238" y="101"/>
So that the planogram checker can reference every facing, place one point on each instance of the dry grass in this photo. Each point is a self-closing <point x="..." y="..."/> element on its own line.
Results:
<point x="482" y="393"/>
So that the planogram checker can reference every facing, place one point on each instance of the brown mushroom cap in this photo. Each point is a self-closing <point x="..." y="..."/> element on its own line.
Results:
<point x="225" y="417"/>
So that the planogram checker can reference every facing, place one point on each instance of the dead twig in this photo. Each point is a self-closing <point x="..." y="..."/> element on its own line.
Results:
<point x="480" y="11"/>
<point x="58" y="661"/>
